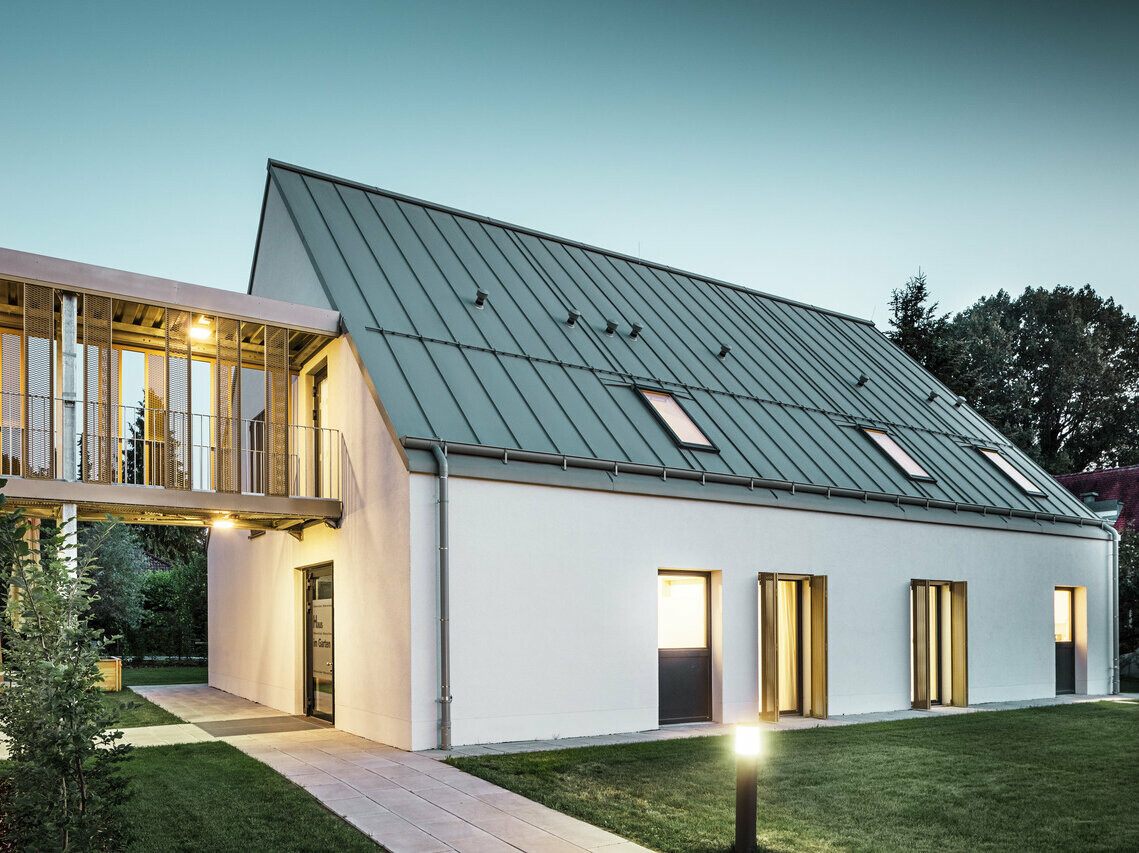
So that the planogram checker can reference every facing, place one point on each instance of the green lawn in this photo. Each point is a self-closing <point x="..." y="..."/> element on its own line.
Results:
<point x="211" y="796"/>
<point x="143" y="675"/>
<point x="135" y="711"/>
<point x="1060" y="778"/>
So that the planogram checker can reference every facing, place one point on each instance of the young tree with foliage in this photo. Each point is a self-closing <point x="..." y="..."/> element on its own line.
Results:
<point x="68" y="793"/>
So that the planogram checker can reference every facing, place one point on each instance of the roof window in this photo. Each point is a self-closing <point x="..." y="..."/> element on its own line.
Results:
<point x="1009" y="471"/>
<point x="676" y="420"/>
<point x="897" y="455"/>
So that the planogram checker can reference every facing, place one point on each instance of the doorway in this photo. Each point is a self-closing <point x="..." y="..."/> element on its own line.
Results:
<point x="684" y="646"/>
<point x="320" y="685"/>
<point x="938" y="643"/>
<point x="1064" y="612"/>
<point x="792" y="645"/>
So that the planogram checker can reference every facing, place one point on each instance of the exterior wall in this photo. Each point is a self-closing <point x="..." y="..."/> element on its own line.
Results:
<point x="283" y="269"/>
<point x="553" y="620"/>
<point x="256" y="593"/>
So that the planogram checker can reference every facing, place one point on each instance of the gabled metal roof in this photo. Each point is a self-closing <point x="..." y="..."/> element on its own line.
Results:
<point x="784" y="404"/>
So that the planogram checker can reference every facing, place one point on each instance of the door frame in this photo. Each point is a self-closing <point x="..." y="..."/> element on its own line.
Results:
<point x="707" y="576"/>
<point x="1071" y="643"/>
<point x="812" y="641"/>
<point x="309" y="576"/>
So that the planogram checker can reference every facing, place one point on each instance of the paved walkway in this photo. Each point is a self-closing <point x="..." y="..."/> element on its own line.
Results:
<point x="405" y="801"/>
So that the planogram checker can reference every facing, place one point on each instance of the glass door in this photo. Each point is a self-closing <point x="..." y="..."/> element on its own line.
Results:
<point x="1062" y="613"/>
<point x="684" y="656"/>
<point x="320" y="684"/>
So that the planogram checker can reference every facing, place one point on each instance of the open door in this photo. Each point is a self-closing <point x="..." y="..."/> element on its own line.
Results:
<point x="939" y="643"/>
<point x="792" y="645"/>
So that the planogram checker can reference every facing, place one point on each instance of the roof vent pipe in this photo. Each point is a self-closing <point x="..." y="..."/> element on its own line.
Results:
<point x="862" y="380"/>
<point x="574" y="316"/>
<point x="933" y="395"/>
<point x="959" y="402"/>
<point x="610" y="327"/>
<point x="480" y="298"/>
<point x="636" y="331"/>
<point x="724" y="350"/>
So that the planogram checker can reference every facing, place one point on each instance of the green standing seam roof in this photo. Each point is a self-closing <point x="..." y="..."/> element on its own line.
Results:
<point x="784" y="404"/>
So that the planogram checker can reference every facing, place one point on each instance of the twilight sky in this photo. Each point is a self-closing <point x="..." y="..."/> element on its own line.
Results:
<point x="818" y="150"/>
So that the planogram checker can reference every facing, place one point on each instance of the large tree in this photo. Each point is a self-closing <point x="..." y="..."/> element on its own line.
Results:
<point x="1057" y="371"/>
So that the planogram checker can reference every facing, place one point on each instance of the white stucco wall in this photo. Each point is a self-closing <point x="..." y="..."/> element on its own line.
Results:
<point x="554" y="604"/>
<point x="256" y="594"/>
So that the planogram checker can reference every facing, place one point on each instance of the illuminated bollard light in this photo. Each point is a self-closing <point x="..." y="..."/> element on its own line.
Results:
<point x="748" y="748"/>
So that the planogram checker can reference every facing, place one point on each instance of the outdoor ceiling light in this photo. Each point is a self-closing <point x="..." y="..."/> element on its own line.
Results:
<point x="635" y="332"/>
<point x="222" y="523"/>
<point x="610" y="326"/>
<point x="201" y="330"/>
<point x="480" y="298"/>
<point x="724" y="350"/>
<point x="574" y="316"/>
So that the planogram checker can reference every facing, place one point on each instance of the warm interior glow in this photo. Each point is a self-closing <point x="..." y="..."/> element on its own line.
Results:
<point x="1006" y="468"/>
<point x="199" y="333"/>
<point x="748" y="741"/>
<point x="682" y="610"/>
<point x="902" y="459"/>
<point x="1062" y="612"/>
<point x="788" y="598"/>
<point x="223" y="523"/>
<point x="677" y="419"/>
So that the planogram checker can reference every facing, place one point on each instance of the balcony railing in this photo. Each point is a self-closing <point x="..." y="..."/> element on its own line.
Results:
<point x="132" y="445"/>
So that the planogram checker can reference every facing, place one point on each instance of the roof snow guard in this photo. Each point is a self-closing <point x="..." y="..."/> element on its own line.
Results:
<point x="461" y="322"/>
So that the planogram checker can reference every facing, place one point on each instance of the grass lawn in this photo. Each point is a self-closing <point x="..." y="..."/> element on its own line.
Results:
<point x="211" y="796"/>
<point x="143" y="675"/>
<point x="135" y="711"/>
<point x="1060" y="778"/>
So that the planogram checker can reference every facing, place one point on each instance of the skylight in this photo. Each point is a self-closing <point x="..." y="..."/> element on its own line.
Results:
<point x="898" y="456"/>
<point x="673" y="416"/>
<point x="1012" y="473"/>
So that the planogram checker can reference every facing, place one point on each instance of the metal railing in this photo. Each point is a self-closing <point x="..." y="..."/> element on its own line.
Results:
<point x="137" y="446"/>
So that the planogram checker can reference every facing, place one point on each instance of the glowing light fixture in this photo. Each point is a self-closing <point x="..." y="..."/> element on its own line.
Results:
<point x="201" y="330"/>
<point x="748" y="747"/>
<point x="222" y="523"/>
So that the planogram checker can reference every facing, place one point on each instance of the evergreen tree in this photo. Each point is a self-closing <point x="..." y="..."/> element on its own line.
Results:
<point x="921" y="331"/>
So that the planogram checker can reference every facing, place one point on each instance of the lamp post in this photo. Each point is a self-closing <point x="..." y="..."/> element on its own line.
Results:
<point x="747" y="769"/>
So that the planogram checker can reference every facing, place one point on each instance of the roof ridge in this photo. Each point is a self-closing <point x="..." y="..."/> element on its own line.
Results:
<point x="454" y="211"/>
<point x="1098" y="471"/>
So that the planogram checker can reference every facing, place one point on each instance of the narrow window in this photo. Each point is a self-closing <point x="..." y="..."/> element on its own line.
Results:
<point x="1012" y="473"/>
<point x="898" y="456"/>
<point x="673" y="416"/>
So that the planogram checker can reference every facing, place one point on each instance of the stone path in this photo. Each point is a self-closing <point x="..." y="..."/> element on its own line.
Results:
<point x="405" y="801"/>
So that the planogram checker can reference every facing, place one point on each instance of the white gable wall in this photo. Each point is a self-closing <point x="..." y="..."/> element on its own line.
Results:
<point x="256" y="594"/>
<point x="553" y="614"/>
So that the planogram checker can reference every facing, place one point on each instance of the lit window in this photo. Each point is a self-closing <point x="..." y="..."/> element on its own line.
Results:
<point x="682" y="610"/>
<point x="1006" y="468"/>
<point x="899" y="457"/>
<point x="676" y="419"/>
<point x="1062" y="612"/>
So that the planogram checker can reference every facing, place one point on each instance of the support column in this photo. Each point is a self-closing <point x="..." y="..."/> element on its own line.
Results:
<point x="69" y="435"/>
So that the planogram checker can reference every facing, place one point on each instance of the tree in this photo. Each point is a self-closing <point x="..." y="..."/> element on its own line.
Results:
<point x="117" y="578"/>
<point x="1057" y="371"/>
<point x="920" y="331"/>
<point x="67" y="789"/>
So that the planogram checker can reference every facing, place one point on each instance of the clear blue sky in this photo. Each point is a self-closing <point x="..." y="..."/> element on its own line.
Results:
<point x="822" y="151"/>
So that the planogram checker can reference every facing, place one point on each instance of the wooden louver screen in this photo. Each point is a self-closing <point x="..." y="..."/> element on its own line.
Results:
<point x="959" y="637"/>
<point x="919" y="601"/>
<point x="227" y="439"/>
<point x="178" y="438"/>
<point x="39" y="414"/>
<point x="100" y="413"/>
<point x="154" y="431"/>
<point x="276" y="410"/>
<point x="812" y="651"/>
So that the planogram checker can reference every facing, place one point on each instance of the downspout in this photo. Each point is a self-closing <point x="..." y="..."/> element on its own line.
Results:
<point x="1114" y="609"/>
<point x="442" y="584"/>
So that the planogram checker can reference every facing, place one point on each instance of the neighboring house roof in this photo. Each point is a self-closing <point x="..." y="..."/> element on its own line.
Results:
<point x="1111" y="485"/>
<point x="784" y="404"/>
<point x="151" y="563"/>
